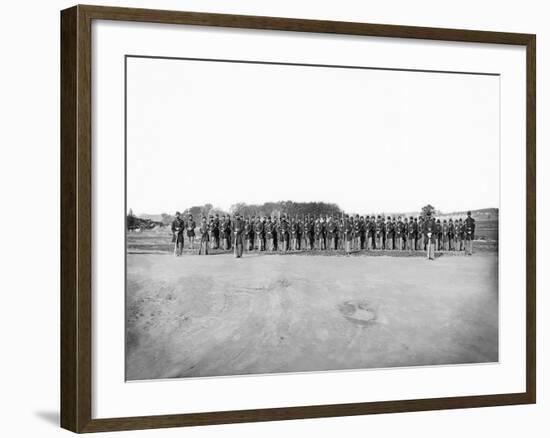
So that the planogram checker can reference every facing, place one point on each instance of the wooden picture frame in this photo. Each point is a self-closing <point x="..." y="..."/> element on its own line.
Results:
<point x="76" y="217"/>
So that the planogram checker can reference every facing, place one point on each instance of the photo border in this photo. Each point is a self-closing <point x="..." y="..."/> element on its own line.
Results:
<point x="76" y="217"/>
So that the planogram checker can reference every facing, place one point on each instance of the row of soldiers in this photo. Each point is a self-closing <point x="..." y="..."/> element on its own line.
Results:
<point x="348" y="233"/>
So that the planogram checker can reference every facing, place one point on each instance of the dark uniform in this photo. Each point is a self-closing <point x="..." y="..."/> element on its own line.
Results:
<point x="178" y="225"/>
<point x="445" y="231"/>
<point x="237" y="229"/>
<point x="451" y="234"/>
<point x="259" y="231"/>
<point x="204" y="233"/>
<point x="429" y="232"/>
<point x="248" y="235"/>
<point x="268" y="229"/>
<point x="380" y="230"/>
<point x="399" y="231"/>
<point x="285" y="234"/>
<point x="348" y="235"/>
<point x="390" y="234"/>
<point x="469" y="228"/>
<point x="310" y="230"/>
<point x="411" y="235"/>
<point x="460" y="230"/>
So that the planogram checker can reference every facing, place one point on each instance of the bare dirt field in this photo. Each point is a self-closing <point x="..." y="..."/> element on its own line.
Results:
<point x="197" y="316"/>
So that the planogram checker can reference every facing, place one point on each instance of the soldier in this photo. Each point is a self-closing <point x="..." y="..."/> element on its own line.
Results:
<point x="268" y="229"/>
<point x="311" y="233"/>
<point x="379" y="230"/>
<point x="389" y="234"/>
<point x="348" y="234"/>
<point x="363" y="233"/>
<point x="429" y="235"/>
<point x="318" y="234"/>
<point x="460" y="229"/>
<point x="204" y="236"/>
<point x="247" y="232"/>
<point x="445" y="235"/>
<point x="223" y="224"/>
<point x="217" y="232"/>
<point x="411" y="235"/>
<point x="293" y="234"/>
<point x="275" y="234"/>
<point x="211" y="231"/>
<point x="285" y="234"/>
<point x="178" y="225"/>
<point x="451" y="234"/>
<point x="399" y="229"/>
<point x="357" y="233"/>
<point x="469" y="227"/>
<point x="258" y="230"/>
<point x="237" y="229"/>
<point x="405" y="234"/>
<point x="438" y="233"/>
<point x="330" y="229"/>
<point x="190" y="226"/>
<point x="419" y="240"/>
<point x="371" y="233"/>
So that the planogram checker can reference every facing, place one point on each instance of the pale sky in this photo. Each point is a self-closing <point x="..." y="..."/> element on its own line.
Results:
<point x="368" y="140"/>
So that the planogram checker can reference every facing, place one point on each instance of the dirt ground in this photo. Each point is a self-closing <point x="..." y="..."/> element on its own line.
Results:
<point x="194" y="316"/>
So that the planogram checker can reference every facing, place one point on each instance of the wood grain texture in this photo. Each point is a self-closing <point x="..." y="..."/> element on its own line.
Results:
<point x="76" y="221"/>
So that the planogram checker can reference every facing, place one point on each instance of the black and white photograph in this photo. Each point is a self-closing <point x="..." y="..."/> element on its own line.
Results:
<point x="285" y="217"/>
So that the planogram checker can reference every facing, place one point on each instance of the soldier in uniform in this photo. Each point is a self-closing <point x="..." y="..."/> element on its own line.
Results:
<point x="438" y="234"/>
<point x="178" y="225"/>
<point x="285" y="234"/>
<point x="363" y="234"/>
<point x="469" y="228"/>
<point x="190" y="226"/>
<point x="445" y="235"/>
<point x="311" y="233"/>
<point x="268" y="229"/>
<point x="451" y="235"/>
<point x="405" y="234"/>
<point x="357" y="233"/>
<point x="411" y="235"/>
<point x="399" y="233"/>
<point x="211" y="231"/>
<point x="204" y="230"/>
<point x="389" y="234"/>
<point x="258" y="230"/>
<point x="330" y="229"/>
<point x="348" y="234"/>
<point x="293" y="234"/>
<point x="318" y="233"/>
<point x="429" y="235"/>
<point x="460" y="229"/>
<point x="237" y="229"/>
<point x="223" y="223"/>
<point x="379" y="230"/>
<point x="299" y="233"/>
<point x="419" y="240"/>
<point x="372" y="232"/>
<point x="248" y="235"/>
<point x="217" y="232"/>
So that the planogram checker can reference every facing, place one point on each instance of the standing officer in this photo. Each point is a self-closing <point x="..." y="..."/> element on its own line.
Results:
<point x="438" y="233"/>
<point x="211" y="232"/>
<point x="204" y="230"/>
<point x="348" y="234"/>
<point x="299" y="233"/>
<point x="237" y="228"/>
<point x="469" y="228"/>
<point x="379" y="230"/>
<point x="190" y="226"/>
<point x="429" y="235"/>
<point x="311" y="233"/>
<point x="357" y="233"/>
<point x="285" y="234"/>
<point x="178" y="225"/>
<point x="419" y="240"/>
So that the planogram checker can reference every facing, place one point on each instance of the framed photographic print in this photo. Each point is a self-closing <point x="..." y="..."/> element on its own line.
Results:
<point x="272" y="218"/>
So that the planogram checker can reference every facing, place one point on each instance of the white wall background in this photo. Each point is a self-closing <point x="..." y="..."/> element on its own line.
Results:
<point x="29" y="218"/>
